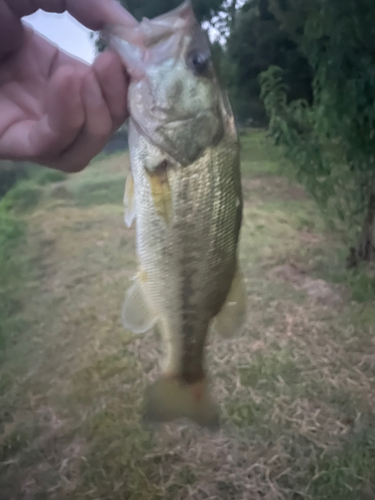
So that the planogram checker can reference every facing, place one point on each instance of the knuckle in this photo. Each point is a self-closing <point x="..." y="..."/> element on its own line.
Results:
<point x="75" y="168"/>
<point x="72" y="166"/>
<point x="101" y="130"/>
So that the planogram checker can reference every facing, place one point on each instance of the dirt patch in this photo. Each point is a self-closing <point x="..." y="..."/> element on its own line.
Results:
<point x="59" y="190"/>
<point x="318" y="290"/>
<point x="310" y="239"/>
<point x="297" y="193"/>
<point x="272" y="186"/>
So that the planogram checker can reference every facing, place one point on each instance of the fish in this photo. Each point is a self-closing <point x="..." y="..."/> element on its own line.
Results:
<point x="184" y="194"/>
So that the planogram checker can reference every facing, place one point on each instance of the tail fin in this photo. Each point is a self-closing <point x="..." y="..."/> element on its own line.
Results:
<point x="168" y="399"/>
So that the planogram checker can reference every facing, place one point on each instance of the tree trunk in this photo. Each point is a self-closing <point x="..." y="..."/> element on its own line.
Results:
<point x="365" y="251"/>
<point x="232" y="14"/>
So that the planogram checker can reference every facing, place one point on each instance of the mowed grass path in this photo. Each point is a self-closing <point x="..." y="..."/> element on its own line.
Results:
<point x="297" y="390"/>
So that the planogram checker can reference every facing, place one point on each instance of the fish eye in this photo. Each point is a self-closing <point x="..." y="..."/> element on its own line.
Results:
<point x="198" y="61"/>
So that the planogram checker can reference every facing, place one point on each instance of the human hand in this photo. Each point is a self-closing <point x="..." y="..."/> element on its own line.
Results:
<point x="54" y="109"/>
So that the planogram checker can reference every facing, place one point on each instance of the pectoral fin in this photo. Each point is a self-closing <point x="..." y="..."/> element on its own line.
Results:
<point x="232" y="317"/>
<point x="161" y="191"/>
<point x="129" y="200"/>
<point x="228" y="117"/>
<point x="137" y="315"/>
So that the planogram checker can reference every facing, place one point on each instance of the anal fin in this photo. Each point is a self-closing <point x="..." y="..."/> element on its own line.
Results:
<point x="137" y="315"/>
<point x="231" y="319"/>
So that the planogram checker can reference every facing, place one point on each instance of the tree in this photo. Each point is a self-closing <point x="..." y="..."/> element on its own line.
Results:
<point x="331" y="143"/>
<point x="256" y="42"/>
<point x="204" y="9"/>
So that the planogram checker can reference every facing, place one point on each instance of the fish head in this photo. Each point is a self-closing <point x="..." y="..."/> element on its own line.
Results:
<point x="174" y="96"/>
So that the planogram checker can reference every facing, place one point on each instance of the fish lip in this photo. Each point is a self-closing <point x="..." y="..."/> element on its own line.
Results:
<point x="189" y="118"/>
<point x="183" y="120"/>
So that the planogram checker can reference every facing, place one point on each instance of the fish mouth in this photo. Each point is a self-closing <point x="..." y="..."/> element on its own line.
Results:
<point x="182" y="121"/>
<point x="182" y="137"/>
<point x="190" y="118"/>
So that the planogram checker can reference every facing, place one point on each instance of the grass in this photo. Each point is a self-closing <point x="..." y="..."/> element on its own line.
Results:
<point x="12" y="273"/>
<point x="361" y="281"/>
<point x="25" y="195"/>
<point x="99" y="190"/>
<point x="348" y="474"/>
<point x="43" y="176"/>
<point x="296" y="390"/>
<point x="97" y="185"/>
<point x="257" y="158"/>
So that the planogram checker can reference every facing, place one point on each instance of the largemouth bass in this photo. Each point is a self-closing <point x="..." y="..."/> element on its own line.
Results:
<point x="184" y="192"/>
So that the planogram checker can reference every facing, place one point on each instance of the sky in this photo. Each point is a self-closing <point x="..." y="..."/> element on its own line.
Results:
<point x="64" y="31"/>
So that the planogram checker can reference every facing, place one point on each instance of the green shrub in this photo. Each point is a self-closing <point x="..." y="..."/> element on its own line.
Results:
<point x="10" y="229"/>
<point x="23" y="196"/>
<point x="331" y="142"/>
<point x="43" y="175"/>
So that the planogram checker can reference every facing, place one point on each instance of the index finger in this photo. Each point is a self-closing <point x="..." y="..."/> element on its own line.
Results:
<point x="94" y="14"/>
